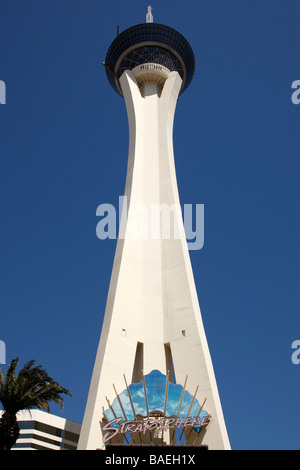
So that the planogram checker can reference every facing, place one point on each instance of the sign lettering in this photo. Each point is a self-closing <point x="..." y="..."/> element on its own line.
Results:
<point x="110" y="430"/>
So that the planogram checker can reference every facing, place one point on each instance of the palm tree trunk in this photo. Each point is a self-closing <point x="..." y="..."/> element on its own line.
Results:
<point x="9" y="431"/>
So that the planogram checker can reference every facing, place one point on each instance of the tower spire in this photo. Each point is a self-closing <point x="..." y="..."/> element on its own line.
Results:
<point x="149" y="16"/>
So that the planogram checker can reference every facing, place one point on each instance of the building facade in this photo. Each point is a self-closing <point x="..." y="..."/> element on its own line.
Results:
<point x="44" y="431"/>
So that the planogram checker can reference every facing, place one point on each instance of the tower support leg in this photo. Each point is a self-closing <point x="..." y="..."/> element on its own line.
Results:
<point x="152" y="318"/>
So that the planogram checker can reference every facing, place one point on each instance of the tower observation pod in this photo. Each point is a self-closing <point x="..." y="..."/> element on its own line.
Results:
<point x="153" y="381"/>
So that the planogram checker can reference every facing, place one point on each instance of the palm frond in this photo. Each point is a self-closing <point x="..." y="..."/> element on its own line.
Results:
<point x="31" y="388"/>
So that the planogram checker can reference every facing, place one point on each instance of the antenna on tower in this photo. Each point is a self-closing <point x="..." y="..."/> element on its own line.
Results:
<point x="149" y="16"/>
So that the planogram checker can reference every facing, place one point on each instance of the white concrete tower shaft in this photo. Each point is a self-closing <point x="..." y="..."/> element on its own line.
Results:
<point x="152" y="318"/>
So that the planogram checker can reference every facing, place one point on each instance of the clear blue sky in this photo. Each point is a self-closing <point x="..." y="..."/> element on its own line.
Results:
<point x="63" y="145"/>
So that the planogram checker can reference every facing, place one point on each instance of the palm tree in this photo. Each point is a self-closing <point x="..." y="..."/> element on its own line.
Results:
<point x="32" y="387"/>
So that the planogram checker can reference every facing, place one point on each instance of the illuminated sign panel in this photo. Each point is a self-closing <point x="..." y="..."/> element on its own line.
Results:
<point x="153" y="405"/>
